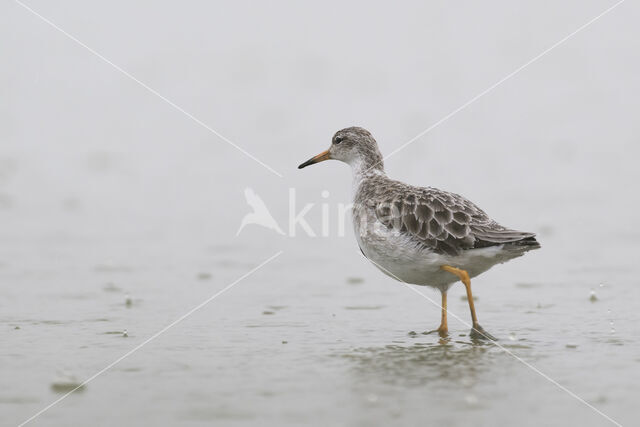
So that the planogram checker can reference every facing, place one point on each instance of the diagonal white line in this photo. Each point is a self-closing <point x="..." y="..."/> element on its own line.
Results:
<point x="152" y="337"/>
<point x="152" y="90"/>
<point x="519" y="359"/>
<point x="502" y="80"/>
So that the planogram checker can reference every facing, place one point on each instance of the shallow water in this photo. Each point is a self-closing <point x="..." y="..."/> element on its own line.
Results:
<point x="118" y="215"/>
<point x="286" y="347"/>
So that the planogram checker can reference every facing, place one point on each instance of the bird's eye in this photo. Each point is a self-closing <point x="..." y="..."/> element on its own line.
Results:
<point x="338" y="140"/>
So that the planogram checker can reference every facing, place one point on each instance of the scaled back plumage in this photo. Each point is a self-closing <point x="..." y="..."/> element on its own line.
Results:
<point x="442" y="221"/>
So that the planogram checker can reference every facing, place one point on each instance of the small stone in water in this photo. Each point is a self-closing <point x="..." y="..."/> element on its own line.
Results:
<point x="128" y="301"/>
<point x="571" y="345"/>
<point x="204" y="276"/>
<point x="285" y="342"/>
<point x="125" y="333"/>
<point x="267" y="312"/>
<point x="63" y="387"/>
<point x="66" y="383"/>
<point x="412" y="333"/>
<point x="592" y="296"/>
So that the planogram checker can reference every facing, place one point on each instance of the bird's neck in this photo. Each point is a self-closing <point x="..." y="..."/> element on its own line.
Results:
<point x="363" y="169"/>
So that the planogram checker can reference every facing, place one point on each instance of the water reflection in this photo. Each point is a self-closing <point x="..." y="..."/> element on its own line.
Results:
<point x="446" y="363"/>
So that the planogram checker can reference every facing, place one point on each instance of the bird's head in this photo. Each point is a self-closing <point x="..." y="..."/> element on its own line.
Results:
<point x="354" y="146"/>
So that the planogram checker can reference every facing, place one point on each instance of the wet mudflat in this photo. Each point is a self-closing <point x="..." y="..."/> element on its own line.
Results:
<point x="284" y="348"/>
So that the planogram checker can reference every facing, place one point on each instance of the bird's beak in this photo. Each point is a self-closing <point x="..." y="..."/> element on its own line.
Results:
<point x="317" y="159"/>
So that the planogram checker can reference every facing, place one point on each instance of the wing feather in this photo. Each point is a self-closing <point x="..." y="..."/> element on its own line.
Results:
<point x="444" y="222"/>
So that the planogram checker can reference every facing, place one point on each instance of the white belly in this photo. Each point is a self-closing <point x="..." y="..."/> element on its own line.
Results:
<point x="399" y="257"/>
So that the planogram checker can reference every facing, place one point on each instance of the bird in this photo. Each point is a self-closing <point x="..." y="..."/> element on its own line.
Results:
<point x="420" y="235"/>
<point x="260" y="215"/>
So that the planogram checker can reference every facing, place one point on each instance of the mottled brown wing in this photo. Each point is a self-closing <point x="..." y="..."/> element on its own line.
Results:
<point x="445" y="222"/>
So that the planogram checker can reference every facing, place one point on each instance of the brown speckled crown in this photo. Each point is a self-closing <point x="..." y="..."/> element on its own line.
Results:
<point x="363" y="143"/>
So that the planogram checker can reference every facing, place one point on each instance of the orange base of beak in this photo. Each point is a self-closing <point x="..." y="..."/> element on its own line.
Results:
<point x="317" y="159"/>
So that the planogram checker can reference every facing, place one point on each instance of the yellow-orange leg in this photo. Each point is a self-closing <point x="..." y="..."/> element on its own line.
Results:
<point x="464" y="278"/>
<point x="443" y="329"/>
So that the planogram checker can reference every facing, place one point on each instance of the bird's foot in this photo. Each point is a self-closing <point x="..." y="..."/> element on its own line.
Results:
<point x="442" y="331"/>
<point x="478" y="333"/>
